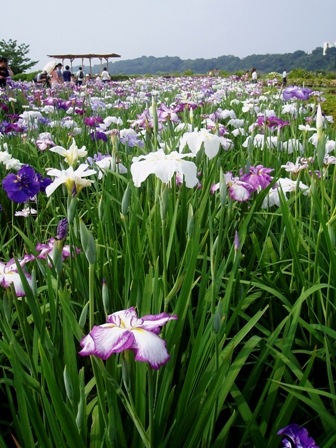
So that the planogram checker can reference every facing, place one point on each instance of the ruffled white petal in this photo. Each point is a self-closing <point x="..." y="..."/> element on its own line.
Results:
<point x="110" y="339"/>
<point x="150" y="348"/>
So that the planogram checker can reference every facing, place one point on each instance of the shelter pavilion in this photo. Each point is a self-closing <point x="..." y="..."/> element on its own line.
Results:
<point x="89" y="56"/>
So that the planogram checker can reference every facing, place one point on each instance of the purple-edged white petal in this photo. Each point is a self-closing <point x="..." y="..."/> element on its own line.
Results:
<point x="150" y="348"/>
<point x="214" y="188"/>
<point x="127" y="319"/>
<point x="154" y="322"/>
<point x="125" y="330"/>
<point x="88" y="346"/>
<point x="107" y="339"/>
<point x="239" y="193"/>
<point x="10" y="277"/>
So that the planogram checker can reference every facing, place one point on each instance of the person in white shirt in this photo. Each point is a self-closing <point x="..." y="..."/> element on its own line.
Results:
<point x="284" y="78"/>
<point x="105" y="75"/>
<point x="254" y="76"/>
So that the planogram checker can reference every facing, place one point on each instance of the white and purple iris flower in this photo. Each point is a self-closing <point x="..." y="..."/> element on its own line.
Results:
<point x="44" y="141"/>
<point x="47" y="251"/>
<point x="130" y="137"/>
<point x="124" y="330"/>
<point x="241" y="188"/>
<point x="9" y="275"/>
<point x="299" y="437"/>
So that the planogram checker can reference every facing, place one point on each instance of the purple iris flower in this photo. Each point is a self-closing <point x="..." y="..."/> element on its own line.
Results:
<point x="4" y="107"/>
<point x="92" y="121"/>
<point x="124" y="330"/>
<point x="258" y="177"/>
<point x="272" y="122"/>
<point x="13" y="117"/>
<point x="301" y="93"/>
<point x="47" y="250"/>
<point x="44" y="182"/>
<point x="298" y="436"/>
<point x="23" y="185"/>
<point x="50" y="101"/>
<point x="238" y="189"/>
<point x="80" y="111"/>
<point x="97" y="158"/>
<point x="98" y="136"/>
<point x="7" y="128"/>
<point x="164" y="113"/>
<point x="131" y="140"/>
<point x="62" y="104"/>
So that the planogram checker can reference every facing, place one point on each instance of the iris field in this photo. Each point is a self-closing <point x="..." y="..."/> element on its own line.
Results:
<point x="167" y="265"/>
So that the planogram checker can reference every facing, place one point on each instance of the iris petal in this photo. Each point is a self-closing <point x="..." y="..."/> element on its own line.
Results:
<point x="107" y="339"/>
<point x="149" y="347"/>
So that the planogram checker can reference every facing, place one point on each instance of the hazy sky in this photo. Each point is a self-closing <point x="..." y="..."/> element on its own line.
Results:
<point x="189" y="29"/>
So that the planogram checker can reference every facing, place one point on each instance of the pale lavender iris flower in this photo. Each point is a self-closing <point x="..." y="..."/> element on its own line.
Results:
<point x="301" y="93"/>
<point x="124" y="330"/>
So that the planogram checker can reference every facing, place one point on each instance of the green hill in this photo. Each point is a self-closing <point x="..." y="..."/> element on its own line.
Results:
<point x="264" y="63"/>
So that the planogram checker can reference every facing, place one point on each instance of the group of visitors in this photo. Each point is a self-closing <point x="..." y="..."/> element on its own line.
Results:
<point x="214" y="72"/>
<point x="57" y="76"/>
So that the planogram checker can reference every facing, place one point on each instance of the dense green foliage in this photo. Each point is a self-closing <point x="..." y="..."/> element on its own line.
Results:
<point x="254" y="346"/>
<point x="16" y="55"/>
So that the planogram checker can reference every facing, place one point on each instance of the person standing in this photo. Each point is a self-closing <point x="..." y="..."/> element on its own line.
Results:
<point x="67" y="74"/>
<point x="59" y="72"/>
<point x="5" y="71"/>
<point x="53" y="77"/>
<point x="284" y="78"/>
<point x="254" y="76"/>
<point x="105" y="75"/>
<point x="79" y="77"/>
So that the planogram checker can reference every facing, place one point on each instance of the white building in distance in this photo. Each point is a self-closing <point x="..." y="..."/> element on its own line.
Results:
<point x="327" y="45"/>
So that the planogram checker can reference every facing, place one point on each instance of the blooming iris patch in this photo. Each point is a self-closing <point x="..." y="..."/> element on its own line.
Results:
<point x="124" y="330"/>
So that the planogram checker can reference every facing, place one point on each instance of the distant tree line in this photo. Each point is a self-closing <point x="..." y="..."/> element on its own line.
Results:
<point x="264" y="63"/>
